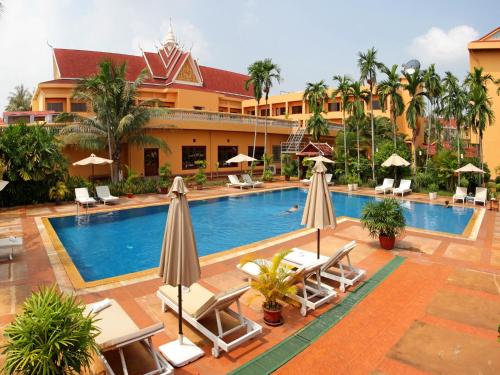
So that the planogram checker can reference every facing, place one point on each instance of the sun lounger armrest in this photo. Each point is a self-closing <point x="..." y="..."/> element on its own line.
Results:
<point x="133" y="337"/>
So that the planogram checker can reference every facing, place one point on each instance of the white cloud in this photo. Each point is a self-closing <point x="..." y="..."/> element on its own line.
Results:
<point x="447" y="49"/>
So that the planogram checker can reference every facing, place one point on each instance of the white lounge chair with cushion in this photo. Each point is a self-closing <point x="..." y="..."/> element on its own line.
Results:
<point x="9" y="244"/>
<point x="386" y="186"/>
<point x="311" y="292"/>
<point x="82" y="197"/>
<point x="104" y="195"/>
<point x="404" y="187"/>
<point x="118" y="331"/>
<point x="235" y="182"/>
<point x="333" y="267"/>
<point x="481" y="195"/>
<point x="460" y="194"/>
<point x="246" y="178"/>
<point x="328" y="178"/>
<point x="305" y="181"/>
<point x="199" y="303"/>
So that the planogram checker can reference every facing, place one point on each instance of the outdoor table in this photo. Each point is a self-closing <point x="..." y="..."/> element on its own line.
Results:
<point x="469" y="199"/>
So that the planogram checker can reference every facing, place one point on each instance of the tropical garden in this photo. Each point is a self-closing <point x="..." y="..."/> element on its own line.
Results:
<point x="445" y="110"/>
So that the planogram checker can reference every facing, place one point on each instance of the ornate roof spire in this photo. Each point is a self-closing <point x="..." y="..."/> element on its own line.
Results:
<point x="170" y="41"/>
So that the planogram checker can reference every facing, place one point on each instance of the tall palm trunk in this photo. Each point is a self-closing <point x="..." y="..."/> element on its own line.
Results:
<point x="255" y="134"/>
<point x="414" y="146"/>
<point x="114" y="176"/>
<point x="345" y="142"/>
<point x="373" y="129"/>
<point x="481" y="153"/>
<point x="357" y="140"/>
<point x="429" y="129"/>
<point x="265" y="134"/>
<point x="458" y="144"/>
<point x="393" y="120"/>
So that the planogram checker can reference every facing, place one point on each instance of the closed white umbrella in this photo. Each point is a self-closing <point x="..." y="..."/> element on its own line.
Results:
<point x="3" y="184"/>
<point x="318" y="210"/>
<point x="93" y="160"/>
<point x="179" y="264"/>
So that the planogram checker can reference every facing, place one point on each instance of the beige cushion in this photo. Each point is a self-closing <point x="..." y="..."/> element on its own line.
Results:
<point x="114" y="324"/>
<point x="194" y="302"/>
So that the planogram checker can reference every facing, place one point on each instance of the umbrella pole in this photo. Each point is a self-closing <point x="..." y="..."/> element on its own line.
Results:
<point x="179" y="297"/>
<point x="317" y="242"/>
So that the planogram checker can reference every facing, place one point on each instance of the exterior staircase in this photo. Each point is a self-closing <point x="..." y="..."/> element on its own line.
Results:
<point x="295" y="141"/>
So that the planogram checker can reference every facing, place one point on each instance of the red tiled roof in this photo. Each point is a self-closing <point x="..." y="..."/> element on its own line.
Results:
<point x="76" y="64"/>
<point x="313" y="149"/>
<point x="29" y="113"/>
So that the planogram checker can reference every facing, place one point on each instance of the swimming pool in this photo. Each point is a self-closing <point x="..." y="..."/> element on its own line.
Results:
<point x="129" y="240"/>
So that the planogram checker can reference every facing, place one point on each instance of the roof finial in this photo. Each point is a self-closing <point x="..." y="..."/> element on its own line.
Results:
<point x="170" y="41"/>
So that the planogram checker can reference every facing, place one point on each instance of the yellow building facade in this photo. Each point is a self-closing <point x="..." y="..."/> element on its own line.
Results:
<point x="485" y="53"/>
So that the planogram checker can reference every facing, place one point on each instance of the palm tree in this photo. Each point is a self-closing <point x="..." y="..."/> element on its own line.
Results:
<point x="432" y="83"/>
<point x="391" y="88"/>
<point x="476" y="79"/>
<point x="368" y="66"/>
<point x="480" y="114"/>
<point x="256" y="80"/>
<point x="343" y="90"/>
<point x="454" y="103"/>
<point x="316" y="94"/>
<point x="356" y="109"/>
<point x="118" y="119"/>
<point x="271" y="73"/>
<point x="415" y="108"/>
<point x="19" y="99"/>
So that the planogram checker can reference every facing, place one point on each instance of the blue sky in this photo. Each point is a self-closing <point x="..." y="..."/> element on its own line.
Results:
<point x="310" y="40"/>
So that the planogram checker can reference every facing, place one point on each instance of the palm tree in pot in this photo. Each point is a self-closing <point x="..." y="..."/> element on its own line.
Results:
<point x="274" y="281"/>
<point x="385" y="220"/>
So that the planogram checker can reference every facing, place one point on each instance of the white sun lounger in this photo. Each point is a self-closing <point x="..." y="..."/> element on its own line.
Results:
<point x="118" y="330"/>
<point x="328" y="177"/>
<point x="104" y="195"/>
<point x="386" y="186"/>
<point x="9" y="244"/>
<point x="333" y="267"/>
<point x="82" y="197"/>
<point x="199" y="303"/>
<point x="481" y="195"/>
<point x="311" y="294"/>
<point x="305" y="181"/>
<point x="247" y="179"/>
<point x="234" y="182"/>
<point x="404" y="187"/>
<point x="460" y="194"/>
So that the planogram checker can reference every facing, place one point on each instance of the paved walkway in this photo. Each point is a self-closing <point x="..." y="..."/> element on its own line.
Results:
<point x="437" y="313"/>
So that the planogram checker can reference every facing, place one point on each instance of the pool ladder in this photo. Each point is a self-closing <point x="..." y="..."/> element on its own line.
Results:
<point x="82" y="218"/>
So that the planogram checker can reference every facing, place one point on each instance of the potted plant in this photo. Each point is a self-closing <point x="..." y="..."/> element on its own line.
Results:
<point x="274" y="281"/>
<point x="200" y="176"/>
<point x="433" y="189"/>
<point x="165" y="178"/>
<point x="58" y="192"/>
<point x="288" y="167"/>
<point x="385" y="220"/>
<point x="132" y="177"/>
<point x="352" y="182"/>
<point x="53" y="335"/>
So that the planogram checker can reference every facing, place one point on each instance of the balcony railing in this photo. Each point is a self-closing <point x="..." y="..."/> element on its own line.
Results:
<point x="236" y="118"/>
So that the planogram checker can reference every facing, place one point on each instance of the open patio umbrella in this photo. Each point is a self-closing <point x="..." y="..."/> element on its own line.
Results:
<point x="322" y="159"/>
<point x="318" y="210"/>
<point x="469" y="168"/>
<point x="93" y="160"/>
<point x="240" y="158"/>
<point x="179" y="264"/>
<point x="395" y="161"/>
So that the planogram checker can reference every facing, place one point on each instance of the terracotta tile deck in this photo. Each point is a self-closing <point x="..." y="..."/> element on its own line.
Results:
<point x="437" y="313"/>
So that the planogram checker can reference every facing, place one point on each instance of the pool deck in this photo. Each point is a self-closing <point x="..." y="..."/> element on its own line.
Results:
<point x="437" y="313"/>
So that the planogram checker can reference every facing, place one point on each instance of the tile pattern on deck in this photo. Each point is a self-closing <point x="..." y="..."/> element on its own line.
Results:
<point x="435" y="297"/>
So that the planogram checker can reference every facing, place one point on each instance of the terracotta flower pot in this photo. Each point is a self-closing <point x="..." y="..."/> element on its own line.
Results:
<point x="386" y="242"/>
<point x="164" y="190"/>
<point x="199" y="187"/>
<point x="287" y="178"/>
<point x="130" y="195"/>
<point x="273" y="317"/>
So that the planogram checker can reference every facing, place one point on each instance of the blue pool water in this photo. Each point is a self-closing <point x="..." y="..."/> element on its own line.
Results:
<point x="125" y="241"/>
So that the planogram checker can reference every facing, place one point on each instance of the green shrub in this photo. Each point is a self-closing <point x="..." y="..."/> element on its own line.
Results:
<point x="422" y="180"/>
<point x="342" y="180"/>
<point x="267" y="175"/>
<point x="73" y="182"/>
<point x="59" y="191"/>
<point x="464" y="182"/>
<point x="383" y="218"/>
<point x="371" y="183"/>
<point x="52" y="336"/>
<point x="165" y="175"/>
<point x="200" y="176"/>
<point x="433" y="188"/>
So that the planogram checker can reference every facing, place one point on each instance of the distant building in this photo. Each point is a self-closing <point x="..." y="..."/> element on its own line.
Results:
<point x="28" y="117"/>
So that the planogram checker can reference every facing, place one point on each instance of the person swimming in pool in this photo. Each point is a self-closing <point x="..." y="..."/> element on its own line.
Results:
<point x="294" y="208"/>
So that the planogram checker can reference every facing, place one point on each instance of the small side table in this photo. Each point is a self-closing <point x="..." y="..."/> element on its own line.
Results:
<point x="469" y="199"/>
<point x="493" y="204"/>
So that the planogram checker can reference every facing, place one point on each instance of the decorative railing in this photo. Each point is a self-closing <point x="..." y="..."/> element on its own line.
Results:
<point x="195" y="115"/>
